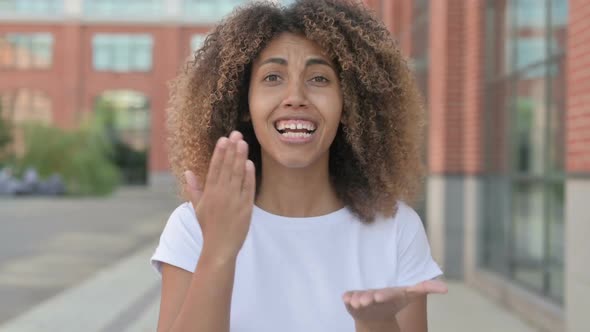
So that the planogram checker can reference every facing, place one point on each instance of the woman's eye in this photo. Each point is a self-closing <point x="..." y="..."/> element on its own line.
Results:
<point x="271" y="78"/>
<point x="320" y="79"/>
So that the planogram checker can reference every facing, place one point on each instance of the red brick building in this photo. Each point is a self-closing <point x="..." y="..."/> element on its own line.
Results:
<point x="507" y="89"/>
<point x="507" y="86"/>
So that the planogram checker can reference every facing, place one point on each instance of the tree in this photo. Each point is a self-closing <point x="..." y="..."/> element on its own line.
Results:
<point x="5" y="136"/>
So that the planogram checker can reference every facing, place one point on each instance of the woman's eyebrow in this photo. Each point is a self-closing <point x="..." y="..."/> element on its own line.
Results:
<point x="279" y="61"/>
<point x="309" y="62"/>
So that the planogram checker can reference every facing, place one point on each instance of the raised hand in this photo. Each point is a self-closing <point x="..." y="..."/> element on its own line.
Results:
<point x="375" y="307"/>
<point x="224" y="205"/>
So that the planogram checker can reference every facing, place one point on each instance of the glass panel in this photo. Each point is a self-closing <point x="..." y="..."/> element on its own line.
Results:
<point x="209" y="10"/>
<point x="530" y="14"/>
<point x="558" y="33"/>
<point x="31" y="6"/>
<point x="528" y="238"/>
<point x="496" y="219"/>
<point x="100" y="53"/>
<point x="26" y="50"/>
<point x="556" y="109"/>
<point x="530" y="123"/>
<point x="7" y="53"/>
<point x="127" y="115"/>
<point x="42" y="45"/>
<point x="122" y="8"/>
<point x="556" y="198"/>
<point x="496" y="128"/>
<point x="122" y="53"/>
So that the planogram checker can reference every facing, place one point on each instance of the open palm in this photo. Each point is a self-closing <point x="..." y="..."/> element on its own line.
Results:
<point x="377" y="305"/>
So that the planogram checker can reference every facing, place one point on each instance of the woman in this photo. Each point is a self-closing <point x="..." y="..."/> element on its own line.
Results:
<point x="297" y="220"/>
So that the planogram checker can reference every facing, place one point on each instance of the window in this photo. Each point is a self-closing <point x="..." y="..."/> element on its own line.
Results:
<point x="209" y="10"/>
<point x="524" y="145"/>
<point x="122" y="52"/>
<point x="26" y="50"/>
<point x="24" y="106"/>
<point x="127" y="119"/>
<point x="119" y="8"/>
<point x="31" y="6"/>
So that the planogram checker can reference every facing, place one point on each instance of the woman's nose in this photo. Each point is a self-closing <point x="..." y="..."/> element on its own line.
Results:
<point x="295" y="97"/>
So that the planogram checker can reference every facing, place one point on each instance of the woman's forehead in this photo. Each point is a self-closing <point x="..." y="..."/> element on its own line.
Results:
<point x="289" y="44"/>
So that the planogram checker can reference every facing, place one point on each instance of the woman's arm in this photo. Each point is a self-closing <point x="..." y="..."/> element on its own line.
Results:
<point x="372" y="309"/>
<point x="412" y="318"/>
<point x="200" y="301"/>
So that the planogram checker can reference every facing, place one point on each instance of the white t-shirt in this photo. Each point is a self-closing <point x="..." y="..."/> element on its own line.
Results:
<point x="291" y="273"/>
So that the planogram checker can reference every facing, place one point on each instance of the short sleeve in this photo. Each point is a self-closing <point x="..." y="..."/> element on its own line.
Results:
<point x="415" y="262"/>
<point x="181" y="241"/>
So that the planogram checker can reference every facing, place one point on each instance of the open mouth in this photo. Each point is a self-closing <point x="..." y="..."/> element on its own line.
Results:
<point x="295" y="128"/>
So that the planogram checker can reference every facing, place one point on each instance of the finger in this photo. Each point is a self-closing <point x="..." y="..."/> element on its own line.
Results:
<point x="355" y="302"/>
<point x="367" y="298"/>
<point x="346" y="297"/>
<point x="427" y="287"/>
<point x="216" y="161"/>
<point x="387" y="294"/>
<point x="249" y="186"/>
<point x="235" y="136"/>
<point x="239" y="167"/>
<point x="228" y="163"/>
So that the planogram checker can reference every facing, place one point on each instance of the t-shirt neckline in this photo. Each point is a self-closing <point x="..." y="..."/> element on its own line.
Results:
<point x="337" y="216"/>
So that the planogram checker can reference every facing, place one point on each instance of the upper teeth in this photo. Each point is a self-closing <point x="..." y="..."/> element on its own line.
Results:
<point x="295" y="124"/>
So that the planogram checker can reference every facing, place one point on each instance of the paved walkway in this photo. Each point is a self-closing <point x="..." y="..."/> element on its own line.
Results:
<point x="48" y="245"/>
<point x="123" y="296"/>
<point x="132" y="306"/>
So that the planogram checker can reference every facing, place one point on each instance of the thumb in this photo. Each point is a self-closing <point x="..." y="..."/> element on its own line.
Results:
<point x="193" y="187"/>
<point x="428" y="287"/>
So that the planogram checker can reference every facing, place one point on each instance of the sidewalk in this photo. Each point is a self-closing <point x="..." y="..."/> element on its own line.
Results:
<point x="132" y="306"/>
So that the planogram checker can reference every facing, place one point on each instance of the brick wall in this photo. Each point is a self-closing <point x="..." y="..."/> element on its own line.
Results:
<point x="446" y="87"/>
<point x="473" y="87"/>
<point x="72" y="84"/>
<point x="578" y="88"/>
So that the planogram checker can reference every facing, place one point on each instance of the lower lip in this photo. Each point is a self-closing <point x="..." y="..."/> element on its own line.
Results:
<point x="296" y="140"/>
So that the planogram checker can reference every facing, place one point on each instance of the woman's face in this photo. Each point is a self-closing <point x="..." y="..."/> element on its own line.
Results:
<point x="295" y="102"/>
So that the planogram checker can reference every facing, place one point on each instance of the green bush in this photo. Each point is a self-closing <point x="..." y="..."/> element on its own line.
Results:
<point x="81" y="156"/>
<point x="5" y="139"/>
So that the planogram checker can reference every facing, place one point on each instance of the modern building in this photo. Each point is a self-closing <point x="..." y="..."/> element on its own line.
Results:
<point x="506" y="85"/>
<point x="507" y="88"/>
<point x="60" y="59"/>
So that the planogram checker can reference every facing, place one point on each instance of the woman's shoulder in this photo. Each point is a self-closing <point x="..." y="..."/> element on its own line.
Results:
<point x="183" y="219"/>
<point x="405" y="219"/>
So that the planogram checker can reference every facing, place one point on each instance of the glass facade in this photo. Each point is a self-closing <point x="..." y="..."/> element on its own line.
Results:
<point x="208" y="11"/>
<point x="524" y="142"/>
<point x="123" y="8"/>
<point x="29" y="7"/>
<point x="122" y="52"/>
<point x="26" y="51"/>
<point x="420" y="65"/>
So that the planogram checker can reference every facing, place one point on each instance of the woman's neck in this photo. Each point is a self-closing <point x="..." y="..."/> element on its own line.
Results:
<point x="297" y="192"/>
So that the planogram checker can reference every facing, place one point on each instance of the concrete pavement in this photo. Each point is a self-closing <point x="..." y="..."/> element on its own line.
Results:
<point x="125" y="297"/>
<point x="48" y="245"/>
<point x="101" y="281"/>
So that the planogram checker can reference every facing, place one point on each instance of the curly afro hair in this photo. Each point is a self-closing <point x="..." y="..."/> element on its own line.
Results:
<point x="375" y="159"/>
